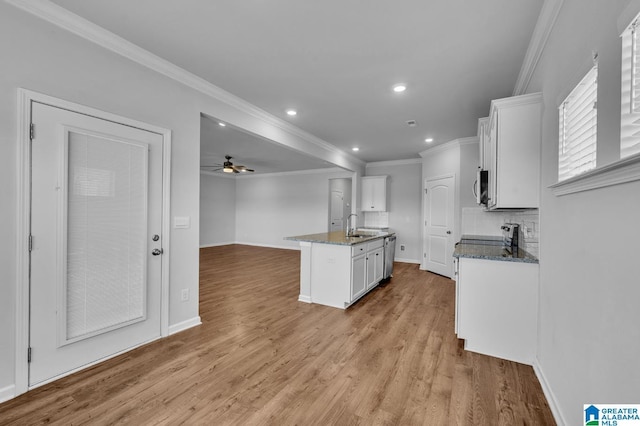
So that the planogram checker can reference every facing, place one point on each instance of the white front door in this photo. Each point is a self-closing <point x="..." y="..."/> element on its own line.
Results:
<point x="96" y="217"/>
<point x="336" y="211"/>
<point x="439" y="220"/>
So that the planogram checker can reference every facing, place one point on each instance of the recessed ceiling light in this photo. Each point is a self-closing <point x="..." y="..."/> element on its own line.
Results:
<point x="400" y="87"/>
<point x="292" y="112"/>
<point x="428" y="140"/>
<point x="221" y="124"/>
<point x="355" y="149"/>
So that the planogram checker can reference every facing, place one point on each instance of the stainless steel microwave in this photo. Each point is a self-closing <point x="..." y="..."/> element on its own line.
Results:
<point x="481" y="187"/>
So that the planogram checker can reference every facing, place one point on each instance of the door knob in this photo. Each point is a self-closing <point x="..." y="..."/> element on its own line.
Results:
<point x="449" y="232"/>
<point x="157" y="252"/>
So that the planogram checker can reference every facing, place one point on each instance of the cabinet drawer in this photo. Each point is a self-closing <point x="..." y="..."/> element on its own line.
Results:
<point x="375" y="244"/>
<point x="358" y="249"/>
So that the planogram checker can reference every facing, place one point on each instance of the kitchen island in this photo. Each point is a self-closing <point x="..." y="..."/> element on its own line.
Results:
<point x="336" y="270"/>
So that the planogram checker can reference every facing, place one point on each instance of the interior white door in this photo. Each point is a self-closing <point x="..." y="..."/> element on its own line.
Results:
<point x="96" y="215"/>
<point x="439" y="221"/>
<point x="336" y="220"/>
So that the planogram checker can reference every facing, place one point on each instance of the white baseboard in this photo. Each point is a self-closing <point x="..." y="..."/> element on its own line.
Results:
<point x="305" y="299"/>
<point x="397" y="259"/>
<point x="217" y="244"/>
<point x="548" y="393"/>
<point x="7" y="393"/>
<point x="268" y="245"/>
<point x="184" y="325"/>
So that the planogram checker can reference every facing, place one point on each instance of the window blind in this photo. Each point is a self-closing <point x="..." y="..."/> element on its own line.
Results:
<point x="578" y="128"/>
<point x="630" y="88"/>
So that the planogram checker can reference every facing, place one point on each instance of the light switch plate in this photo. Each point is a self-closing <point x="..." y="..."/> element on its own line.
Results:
<point x="182" y="222"/>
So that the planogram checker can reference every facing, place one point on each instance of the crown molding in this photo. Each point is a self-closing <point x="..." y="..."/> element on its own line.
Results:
<point x="69" y="21"/>
<point x="329" y="171"/>
<point x="544" y="25"/>
<point x="394" y="162"/>
<point x="456" y="143"/>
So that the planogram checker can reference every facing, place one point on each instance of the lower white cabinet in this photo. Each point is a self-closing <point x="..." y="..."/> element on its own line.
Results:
<point x="496" y="308"/>
<point x="358" y="276"/>
<point x="341" y="274"/>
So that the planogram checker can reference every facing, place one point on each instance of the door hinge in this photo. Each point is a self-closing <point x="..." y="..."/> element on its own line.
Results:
<point x="30" y="242"/>
<point x="29" y="354"/>
<point x="32" y="131"/>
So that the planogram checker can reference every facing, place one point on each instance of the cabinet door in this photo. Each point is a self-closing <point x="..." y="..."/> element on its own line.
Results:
<point x="374" y="194"/>
<point x="379" y="269"/>
<point x="492" y="165"/>
<point x="371" y="269"/>
<point x="358" y="276"/>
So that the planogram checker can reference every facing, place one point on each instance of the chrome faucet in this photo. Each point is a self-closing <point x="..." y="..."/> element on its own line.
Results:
<point x="350" y="228"/>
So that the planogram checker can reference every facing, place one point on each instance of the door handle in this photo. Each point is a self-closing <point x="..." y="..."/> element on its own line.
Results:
<point x="157" y="252"/>
<point x="449" y="232"/>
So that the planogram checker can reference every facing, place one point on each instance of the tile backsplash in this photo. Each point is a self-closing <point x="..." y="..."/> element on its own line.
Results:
<point x="477" y="221"/>
<point x="376" y="219"/>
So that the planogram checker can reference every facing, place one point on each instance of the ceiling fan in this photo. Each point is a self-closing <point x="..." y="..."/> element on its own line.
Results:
<point x="228" y="167"/>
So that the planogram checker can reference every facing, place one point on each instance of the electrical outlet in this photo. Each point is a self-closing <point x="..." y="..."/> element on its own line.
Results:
<point x="184" y="296"/>
<point x="402" y="247"/>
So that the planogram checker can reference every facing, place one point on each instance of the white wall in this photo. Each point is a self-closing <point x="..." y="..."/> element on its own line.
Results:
<point x="460" y="158"/>
<point x="271" y="207"/>
<point x="217" y="210"/>
<point x="404" y="208"/>
<point x="589" y="333"/>
<point x="42" y="57"/>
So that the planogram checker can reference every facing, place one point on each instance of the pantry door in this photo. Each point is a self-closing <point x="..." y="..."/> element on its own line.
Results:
<point x="439" y="225"/>
<point x="96" y="243"/>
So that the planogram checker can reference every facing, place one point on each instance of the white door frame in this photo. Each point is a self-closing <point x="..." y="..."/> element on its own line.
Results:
<point x="25" y="98"/>
<point x="424" y="213"/>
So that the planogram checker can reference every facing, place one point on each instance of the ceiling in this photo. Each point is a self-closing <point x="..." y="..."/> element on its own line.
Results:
<point x="335" y="61"/>
<point x="262" y="155"/>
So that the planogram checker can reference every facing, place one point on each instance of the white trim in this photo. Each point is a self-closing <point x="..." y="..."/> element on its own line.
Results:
<point x="21" y="366"/>
<point x="546" y="20"/>
<point x="456" y="143"/>
<point x="548" y="393"/>
<point x="244" y="243"/>
<point x="185" y="325"/>
<point x="25" y="98"/>
<point x="402" y="260"/>
<point x="619" y="172"/>
<point x="228" y="243"/>
<point x="7" y="393"/>
<point x="329" y="170"/>
<point x="305" y="299"/>
<point x="394" y="163"/>
<point x="85" y="29"/>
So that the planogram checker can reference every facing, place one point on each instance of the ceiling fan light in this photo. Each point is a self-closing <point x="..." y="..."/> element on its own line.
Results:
<point x="227" y="169"/>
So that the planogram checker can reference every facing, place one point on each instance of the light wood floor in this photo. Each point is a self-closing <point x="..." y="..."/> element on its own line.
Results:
<point x="262" y="357"/>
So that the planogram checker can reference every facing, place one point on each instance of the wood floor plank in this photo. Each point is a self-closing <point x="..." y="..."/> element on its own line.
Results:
<point x="261" y="357"/>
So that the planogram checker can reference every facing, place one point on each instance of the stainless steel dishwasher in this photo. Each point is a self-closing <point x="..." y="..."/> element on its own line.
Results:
<point x="389" y="254"/>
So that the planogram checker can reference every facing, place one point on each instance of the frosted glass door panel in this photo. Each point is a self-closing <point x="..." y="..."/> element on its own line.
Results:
<point x="106" y="231"/>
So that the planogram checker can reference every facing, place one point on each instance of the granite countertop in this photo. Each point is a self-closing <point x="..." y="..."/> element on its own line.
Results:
<point x="338" y="238"/>
<point x="490" y="248"/>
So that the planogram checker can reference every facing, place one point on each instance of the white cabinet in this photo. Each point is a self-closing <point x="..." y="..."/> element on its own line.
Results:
<point x="358" y="276"/>
<point x="366" y="267"/>
<point x="483" y="142"/>
<point x="513" y="156"/>
<point x="374" y="194"/>
<point x="496" y="308"/>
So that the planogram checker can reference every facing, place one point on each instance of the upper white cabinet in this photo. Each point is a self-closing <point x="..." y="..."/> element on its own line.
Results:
<point x="374" y="194"/>
<point x="513" y="155"/>
<point x="483" y="139"/>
